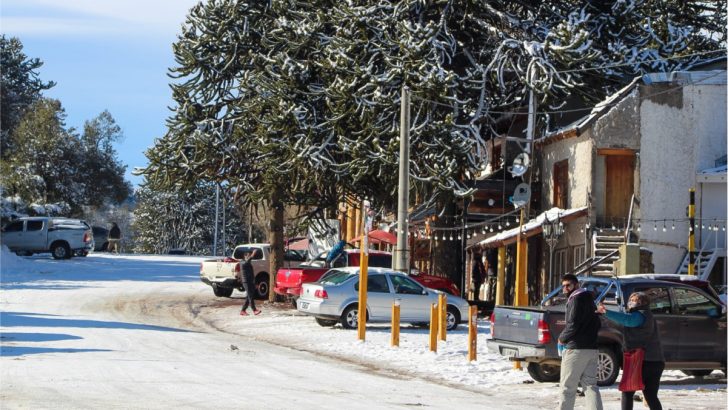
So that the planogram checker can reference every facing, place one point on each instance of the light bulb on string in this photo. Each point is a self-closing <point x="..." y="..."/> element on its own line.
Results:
<point x="664" y="228"/>
<point x="518" y="220"/>
<point x="483" y="229"/>
<point x="451" y="238"/>
<point x="500" y="228"/>
<point x="508" y="223"/>
<point x="460" y="237"/>
<point x="673" y="224"/>
<point x="490" y="228"/>
<point x="654" y="226"/>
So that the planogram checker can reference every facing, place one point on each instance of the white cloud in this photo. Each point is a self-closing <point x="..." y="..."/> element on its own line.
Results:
<point x="93" y="16"/>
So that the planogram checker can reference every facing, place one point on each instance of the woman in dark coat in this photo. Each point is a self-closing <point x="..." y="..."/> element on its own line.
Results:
<point x="248" y="279"/>
<point x="640" y="331"/>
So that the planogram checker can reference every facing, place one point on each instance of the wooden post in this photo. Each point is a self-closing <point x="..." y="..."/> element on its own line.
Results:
<point x="433" y="327"/>
<point x="395" y="323"/>
<point x="521" y="291"/>
<point x="691" y="234"/>
<point x="442" y="321"/>
<point x="500" y="293"/>
<point x="473" y="333"/>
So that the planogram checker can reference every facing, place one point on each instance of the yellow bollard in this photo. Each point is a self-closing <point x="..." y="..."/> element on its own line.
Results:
<point x="433" y="327"/>
<point x="473" y="334"/>
<point x="395" y="323"/>
<point x="442" y="321"/>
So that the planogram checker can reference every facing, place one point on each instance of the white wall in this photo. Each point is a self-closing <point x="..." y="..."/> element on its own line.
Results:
<point x="682" y="133"/>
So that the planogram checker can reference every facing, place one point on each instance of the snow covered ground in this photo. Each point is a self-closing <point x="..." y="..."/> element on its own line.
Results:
<point x="136" y="331"/>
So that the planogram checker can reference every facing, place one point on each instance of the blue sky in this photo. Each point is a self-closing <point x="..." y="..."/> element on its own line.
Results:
<point x="104" y="55"/>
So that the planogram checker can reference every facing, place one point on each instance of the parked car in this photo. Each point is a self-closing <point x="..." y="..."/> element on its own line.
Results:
<point x="62" y="237"/>
<point x="223" y="275"/>
<point x="101" y="238"/>
<point x="692" y="325"/>
<point x="289" y="281"/>
<point x="335" y="299"/>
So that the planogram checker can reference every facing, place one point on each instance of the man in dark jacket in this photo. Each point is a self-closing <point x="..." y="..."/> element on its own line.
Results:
<point x="478" y="275"/>
<point x="114" y="238"/>
<point x="247" y="276"/>
<point x="579" y="343"/>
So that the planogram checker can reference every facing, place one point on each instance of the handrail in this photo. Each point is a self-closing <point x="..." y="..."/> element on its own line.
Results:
<point x="629" y="220"/>
<point x="603" y="258"/>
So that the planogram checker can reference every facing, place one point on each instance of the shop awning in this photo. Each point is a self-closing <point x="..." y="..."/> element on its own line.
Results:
<point x="532" y="227"/>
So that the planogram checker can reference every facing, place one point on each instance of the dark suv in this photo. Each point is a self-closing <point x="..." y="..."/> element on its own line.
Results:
<point x="101" y="238"/>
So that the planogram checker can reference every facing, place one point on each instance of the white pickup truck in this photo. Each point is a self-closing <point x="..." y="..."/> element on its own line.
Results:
<point x="223" y="275"/>
<point x="61" y="237"/>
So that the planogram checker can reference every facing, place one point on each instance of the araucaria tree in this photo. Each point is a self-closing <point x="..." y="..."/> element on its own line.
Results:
<point x="297" y="102"/>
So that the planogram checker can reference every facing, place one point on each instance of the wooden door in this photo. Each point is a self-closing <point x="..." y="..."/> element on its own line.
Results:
<point x="619" y="189"/>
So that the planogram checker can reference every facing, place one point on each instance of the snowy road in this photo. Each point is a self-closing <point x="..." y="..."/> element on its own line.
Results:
<point x="143" y="332"/>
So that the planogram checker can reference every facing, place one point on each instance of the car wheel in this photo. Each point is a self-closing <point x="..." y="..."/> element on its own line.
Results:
<point x="698" y="373"/>
<point x="452" y="318"/>
<point x="221" y="292"/>
<point x="350" y="317"/>
<point x="294" y="301"/>
<point x="61" y="251"/>
<point x="326" y="322"/>
<point x="261" y="285"/>
<point x="607" y="366"/>
<point x="544" y="373"/>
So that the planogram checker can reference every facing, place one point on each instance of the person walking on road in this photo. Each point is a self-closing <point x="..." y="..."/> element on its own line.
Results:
<point x="114" y="238"/>
<point x="579" y="343"/>
<point x="248" y="279"/>
<point x="640" y="331"/>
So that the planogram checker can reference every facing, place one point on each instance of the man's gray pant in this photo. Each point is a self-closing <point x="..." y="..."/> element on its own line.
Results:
<point x="579" y="365"/>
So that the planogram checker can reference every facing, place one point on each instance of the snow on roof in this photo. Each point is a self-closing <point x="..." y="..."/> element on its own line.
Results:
<point x="533" y="226"/>
<point x="712" y="171"/>
<point x="600" y="109"/>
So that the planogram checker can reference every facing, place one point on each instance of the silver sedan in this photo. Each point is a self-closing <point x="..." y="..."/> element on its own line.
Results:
<point x="335" y="299"/>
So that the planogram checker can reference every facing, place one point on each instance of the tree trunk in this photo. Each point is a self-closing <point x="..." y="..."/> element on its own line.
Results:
<point x="275" y="237"/>
<point x="447" y="253"/>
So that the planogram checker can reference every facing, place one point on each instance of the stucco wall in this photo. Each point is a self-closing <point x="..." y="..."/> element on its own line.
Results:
<point x="620" y="126"/>
<point x="683" y="131"/>
<point x="579" y="153"/>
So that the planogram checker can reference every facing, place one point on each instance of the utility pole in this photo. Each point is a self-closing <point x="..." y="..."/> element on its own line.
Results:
<point x="401" y="253"/>
<point x="217" y="209"/>
<point x="521" y="291"/>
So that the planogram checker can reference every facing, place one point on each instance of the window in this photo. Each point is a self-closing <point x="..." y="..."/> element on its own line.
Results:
<point x="35" y="225"/>
<point x="659" y="299"/>
<point x="406" y="286"/>
<point x="335" y="277"/>
<point x="561" y="184"/>
<point x="690" y="302"/>
<point x="559" y="266"/>
<point x="380" y="261"/>
<point x="16" y="226"/>
<point x="579" y="255"/>
<point x="375" y="284"/>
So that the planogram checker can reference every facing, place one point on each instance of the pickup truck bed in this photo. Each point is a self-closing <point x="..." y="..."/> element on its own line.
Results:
<point x="692" y="327"/>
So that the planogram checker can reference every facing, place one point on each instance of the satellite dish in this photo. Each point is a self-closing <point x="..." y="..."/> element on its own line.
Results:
<point x="520" y="165"/>
<point x="521" y="195"/>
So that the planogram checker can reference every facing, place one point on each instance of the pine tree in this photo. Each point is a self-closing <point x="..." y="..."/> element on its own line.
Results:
<point x="20" y="87"/>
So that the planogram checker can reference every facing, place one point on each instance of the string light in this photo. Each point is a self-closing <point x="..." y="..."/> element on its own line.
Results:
<point x="451" y="238"/>
<point x="508" y="223"/>
<point x="664" y="228"/>
<point x="673" y="224"/>
<point x="460" y="237"/>
<point x="639" y="227"/>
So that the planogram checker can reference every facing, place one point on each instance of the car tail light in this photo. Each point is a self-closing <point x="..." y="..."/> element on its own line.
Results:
<point x="492" y="325"/>
<point x="544" y="334"/>
<point x="321" y="294"/>
<point x="86" y="237"/>
<point x="237" y="268"/>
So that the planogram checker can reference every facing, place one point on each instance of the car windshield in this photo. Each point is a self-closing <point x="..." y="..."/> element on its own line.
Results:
<point x="336" y="277"/>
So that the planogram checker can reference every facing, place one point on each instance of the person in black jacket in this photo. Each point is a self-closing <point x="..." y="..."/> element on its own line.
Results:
<point x="248" y="278"/>
<point x="640" y="331"/>
<point x="579" y="343"/>
<point x="477" y="274"/>
<point x="114" y="238"/>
